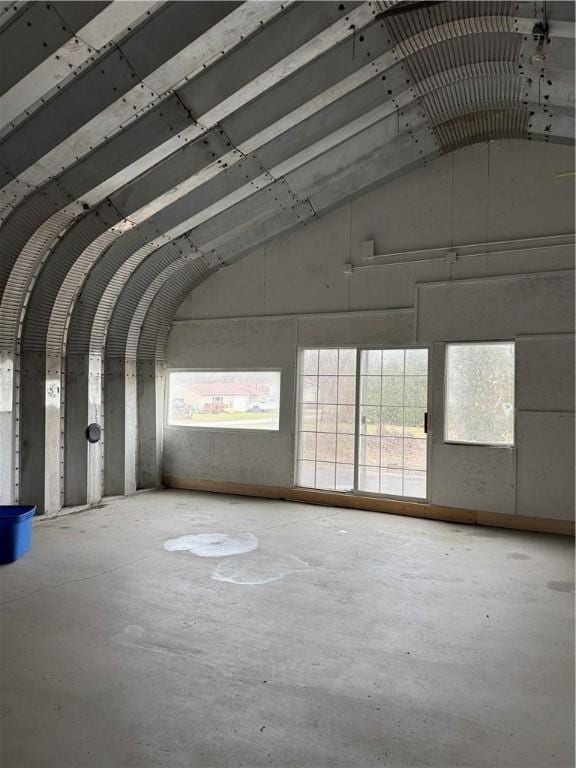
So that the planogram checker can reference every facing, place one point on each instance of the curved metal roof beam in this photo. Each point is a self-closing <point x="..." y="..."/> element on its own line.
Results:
<point x="353" y="81"/>
<point x="148" y="273"/>
<point x="519" y="27"/>
<point x="82" y="47"/>
<point x="136" y="101"/>
<point x="35" y="32"/>
<point x="22" y="221"/>
<point x="126" y="263"/>
<point x="255" y="184"/>
<point x="9" y="9"/>
<point x="35" y="251"/>
<point x="155" y="329"/>
<point x="106" y="242"/>
<point x="30" y="172"/>
<point x="493" y="90"/>
<point x="480" y="92"/>
<point x="494" y="123"/>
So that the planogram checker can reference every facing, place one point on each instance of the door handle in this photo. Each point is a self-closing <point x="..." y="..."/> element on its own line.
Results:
<point x="426" y="423"/>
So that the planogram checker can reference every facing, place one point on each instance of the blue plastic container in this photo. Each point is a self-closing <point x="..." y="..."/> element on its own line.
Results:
<point x="15" y="531"/>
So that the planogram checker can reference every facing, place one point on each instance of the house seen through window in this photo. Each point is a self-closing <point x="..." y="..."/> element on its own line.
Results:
<point x="224" y="399"/>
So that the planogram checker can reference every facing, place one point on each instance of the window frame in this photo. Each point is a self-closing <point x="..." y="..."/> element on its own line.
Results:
<point x="234" y="430"/>
<point x="359" y="348"/>
<point x="489" y="342"/>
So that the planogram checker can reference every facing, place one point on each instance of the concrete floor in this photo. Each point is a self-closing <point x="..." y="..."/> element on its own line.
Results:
<point x="345" y="639"/>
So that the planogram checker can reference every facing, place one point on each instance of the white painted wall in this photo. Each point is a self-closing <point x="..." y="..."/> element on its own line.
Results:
<point x="294" y="292"/>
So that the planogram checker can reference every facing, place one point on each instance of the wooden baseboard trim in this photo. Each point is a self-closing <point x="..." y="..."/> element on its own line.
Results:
<point x="372" y="504"/>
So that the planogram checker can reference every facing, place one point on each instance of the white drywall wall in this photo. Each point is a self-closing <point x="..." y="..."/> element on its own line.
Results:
<point x="294" y="292"/>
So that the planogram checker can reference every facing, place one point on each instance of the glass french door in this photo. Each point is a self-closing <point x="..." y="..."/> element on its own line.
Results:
<point x="362" y="421"/>
<point x="392" y="439"/>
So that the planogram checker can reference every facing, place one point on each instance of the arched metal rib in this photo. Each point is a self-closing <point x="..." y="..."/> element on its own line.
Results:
<point x="400" y="100"/>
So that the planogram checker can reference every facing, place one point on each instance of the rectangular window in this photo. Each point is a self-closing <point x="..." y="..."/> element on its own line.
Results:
<point x="362" y="427"/>
<point x="479" y="393"/>
<point x="224" y="399"/>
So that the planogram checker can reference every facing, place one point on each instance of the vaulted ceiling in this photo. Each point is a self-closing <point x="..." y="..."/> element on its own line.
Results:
<point x="144" y="145"/>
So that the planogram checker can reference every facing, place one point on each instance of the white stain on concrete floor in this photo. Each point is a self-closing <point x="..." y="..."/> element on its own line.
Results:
<point x="262" y="569"/>
<point x="213" y="544"/>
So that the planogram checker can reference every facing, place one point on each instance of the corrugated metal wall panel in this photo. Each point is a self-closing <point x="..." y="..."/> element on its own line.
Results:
<point x="103" y="269"/>
<point x="20" y="280"/>
<point x="190" y="272"/>
<point x="464" y="54"/>
<point x="48" y="284"/>
<point x="156" y="326"/>
<point x="132" y="292"/>
<point x="501" y="91"/>
<point x="110" y="296"/>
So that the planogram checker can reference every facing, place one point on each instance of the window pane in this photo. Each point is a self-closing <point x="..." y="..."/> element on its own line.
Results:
<point x="344" y="477"/>
<point x="308" y="416"/>
<point x="328" y="361"/>
<point x="347" y="362"/>
<point x="307" y="446"/>
<point x="372" y="362"/>
<point x="326" y="418"/>
<point x="392" y="362"/>
<point x="347" y="389"/>
<point x="479" y="404"/>
<point x="415" y="454"/>
<point x="369" y="451"/>
<point x="392" y="421"/>
<point x="346" y="419"/>
<point x="391" y="481"/>
<point x="369" y="479"/>
<point x="402" y="443"/>
<point x="310" y="361"/>
<point x="224" y="399"/>
<point x="345" y="452"/>
<point x="415" y="484"/>
<point x="370" y="390"/>
<point x="370" y="420"/>
<point x="392" y="452"/>
<point x="325" y="475"/>
<point x="415" y="390"/>
<point x="414" y="422"/>
<point x="392" y="390"/>
<point x="416" y="362"/>
<point x="327" y="424"/>
<point x="308" y="389"/>
<point x="306" y="473"/>
<point x="326" y="447"/>
<point x="327" y="389"/>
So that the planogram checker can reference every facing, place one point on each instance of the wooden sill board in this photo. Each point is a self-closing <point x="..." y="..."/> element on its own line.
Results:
<point x="372" y="504"/>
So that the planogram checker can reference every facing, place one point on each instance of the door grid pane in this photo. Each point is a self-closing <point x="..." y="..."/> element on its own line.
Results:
<point x="327" y="421"/>
<point x="392" y="445"/>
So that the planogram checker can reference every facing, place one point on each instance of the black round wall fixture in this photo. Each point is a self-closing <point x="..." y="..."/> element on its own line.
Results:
<point x="93" y="432"/>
